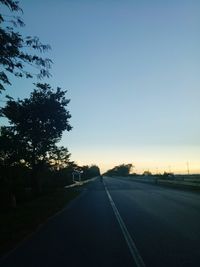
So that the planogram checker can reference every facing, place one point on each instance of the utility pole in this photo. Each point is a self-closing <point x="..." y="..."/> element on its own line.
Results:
<point x="170" y="169"/>
<point x="188" y="170"/>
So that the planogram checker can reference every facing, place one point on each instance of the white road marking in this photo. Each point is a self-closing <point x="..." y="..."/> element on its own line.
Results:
<point x="131" y="244"/>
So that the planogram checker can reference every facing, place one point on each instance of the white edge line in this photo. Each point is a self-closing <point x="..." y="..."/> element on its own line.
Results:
<point x="131" y="244"/>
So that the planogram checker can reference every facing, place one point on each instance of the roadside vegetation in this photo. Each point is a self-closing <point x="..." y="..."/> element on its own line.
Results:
<point x="17" y="224"/>
<point x="190" y="182"/>
<point x="34" y="169"/>
<point x="31" y="161"/>
<point x="120" y="170"/>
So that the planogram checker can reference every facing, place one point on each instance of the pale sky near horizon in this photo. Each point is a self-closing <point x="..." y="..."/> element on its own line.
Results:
<point x="131" y="69"/>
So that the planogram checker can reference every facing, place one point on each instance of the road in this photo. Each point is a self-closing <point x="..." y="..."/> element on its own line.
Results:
<point x="117" y="223"/>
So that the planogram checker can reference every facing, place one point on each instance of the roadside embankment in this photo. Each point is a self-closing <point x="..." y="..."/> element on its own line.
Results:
<point x="183" y="183"/>
<point x="180" y="184"/>
<point x="16" y="224"/>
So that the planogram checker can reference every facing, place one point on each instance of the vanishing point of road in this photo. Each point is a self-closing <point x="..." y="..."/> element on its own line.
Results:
<point x="118" y="223"/>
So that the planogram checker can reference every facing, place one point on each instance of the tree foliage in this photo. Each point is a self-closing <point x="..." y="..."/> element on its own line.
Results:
<point x="89" y="171"/>
<point x="36" y="125"/>
<point x="19" y="54"/>
<point x="120" y="170"/>
<point x="59" y="158"/>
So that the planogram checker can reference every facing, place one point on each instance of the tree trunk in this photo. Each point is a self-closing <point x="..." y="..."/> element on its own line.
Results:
<point x="34" y="176"/>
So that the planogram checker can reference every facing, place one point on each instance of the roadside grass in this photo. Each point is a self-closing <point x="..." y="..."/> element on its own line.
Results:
<point x="16" y="224"/>
<point x="188" y="185"/>
<point x="184" y="183"/>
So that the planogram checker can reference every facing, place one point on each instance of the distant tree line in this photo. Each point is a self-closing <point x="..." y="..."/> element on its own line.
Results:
<point x="89" y="171"/>
<point x="120" y="170"/>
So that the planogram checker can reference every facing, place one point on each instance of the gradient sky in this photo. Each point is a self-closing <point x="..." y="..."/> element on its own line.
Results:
<point x="132" y="71"/>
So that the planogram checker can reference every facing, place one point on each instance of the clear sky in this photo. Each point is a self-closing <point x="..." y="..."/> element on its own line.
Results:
<point x="132" y="71"/>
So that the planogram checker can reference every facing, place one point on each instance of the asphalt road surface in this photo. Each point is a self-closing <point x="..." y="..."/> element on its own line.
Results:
<point x="117" y="223"/>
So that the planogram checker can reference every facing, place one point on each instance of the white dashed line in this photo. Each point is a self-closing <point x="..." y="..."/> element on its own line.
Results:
<point x="131" y="244"/>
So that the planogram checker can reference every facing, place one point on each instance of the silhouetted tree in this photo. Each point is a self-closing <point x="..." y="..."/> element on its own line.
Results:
<point x="120" y="170"/>
<point x="10" y="148"/>
<point x="89" y="171"/>
<point x="17" y="53"/>
<point x="10" y="163"/>
<point x="94" y="170"/>
<point x="59" y="157"/>
<point x="37" y="123"/>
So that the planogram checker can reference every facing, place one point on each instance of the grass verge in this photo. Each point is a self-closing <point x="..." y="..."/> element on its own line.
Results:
<point x="186" y="185"/>
<point x="180" y="184"/>
<point x="17" y="223"/>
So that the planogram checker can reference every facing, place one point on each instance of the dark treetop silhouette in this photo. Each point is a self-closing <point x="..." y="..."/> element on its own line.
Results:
<point x="36" y="125"/>
<point x="17" y="53"/>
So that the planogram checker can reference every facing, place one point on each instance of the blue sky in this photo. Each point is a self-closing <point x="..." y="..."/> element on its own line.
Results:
<point x="131" y="69"/>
